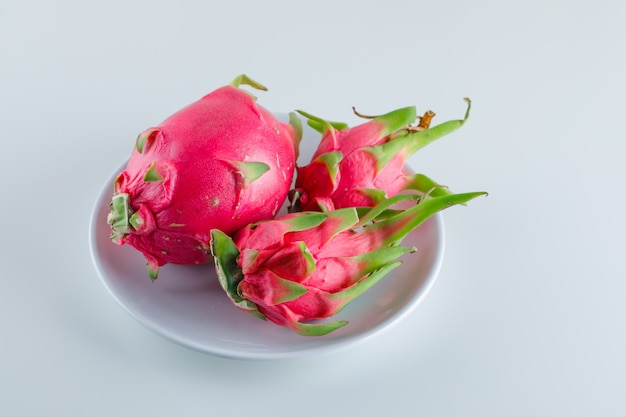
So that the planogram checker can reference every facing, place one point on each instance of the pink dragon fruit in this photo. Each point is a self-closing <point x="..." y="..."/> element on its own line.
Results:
<point x="307" y="266"/>
<point x="364" y="164"/>
<point x="221" y="162"/>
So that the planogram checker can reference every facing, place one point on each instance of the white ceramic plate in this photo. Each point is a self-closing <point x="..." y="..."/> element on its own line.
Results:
<point x="187" y="305"/>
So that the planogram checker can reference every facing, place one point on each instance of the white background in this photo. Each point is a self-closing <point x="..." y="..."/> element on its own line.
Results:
<point x="527" y="315"/>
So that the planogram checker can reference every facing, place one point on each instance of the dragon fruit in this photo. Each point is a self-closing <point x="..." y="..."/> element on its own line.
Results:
<point x="364" y="164"/>
<point x="306" y="266"/>
<point x="221" y="162"/>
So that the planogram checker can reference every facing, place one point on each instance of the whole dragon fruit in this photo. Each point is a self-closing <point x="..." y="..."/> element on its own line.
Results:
<point x="221" y="162"/>
<point x="364" y="164"/>
<point x="307" y="266"/>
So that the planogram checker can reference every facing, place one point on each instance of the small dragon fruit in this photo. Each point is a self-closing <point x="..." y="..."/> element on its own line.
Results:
<point x="364" y="164"/>
<point x="221" y="162"/>
<point x="308" y="265"/>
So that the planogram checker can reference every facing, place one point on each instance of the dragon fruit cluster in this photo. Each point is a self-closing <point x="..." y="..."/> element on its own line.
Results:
<point x="207" y="185"/>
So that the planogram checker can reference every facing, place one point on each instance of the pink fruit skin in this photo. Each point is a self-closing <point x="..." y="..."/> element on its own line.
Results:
<point x="350" y="139"/>
<point x="356" y="172"/>
<point x="362" y="165"/>
<point x="196" y="153"/>
<point x="269" y="251"/>
<point x="306" y="266"/>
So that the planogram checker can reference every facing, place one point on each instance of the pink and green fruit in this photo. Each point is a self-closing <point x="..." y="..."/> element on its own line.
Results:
<point x="303" y="267"/>
<point x="221" y="162"/>
<point x="362" y="165"/>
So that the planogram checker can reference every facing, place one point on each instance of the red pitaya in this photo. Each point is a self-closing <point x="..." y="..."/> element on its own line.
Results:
<point x="309" y="265"/>
<point x="362" y="165"/>
<point x="221" y="162"/>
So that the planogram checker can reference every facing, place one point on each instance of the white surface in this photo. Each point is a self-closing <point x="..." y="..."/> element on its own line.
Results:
<point x="187" y="304"/>
<point x="527" y="314"/>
